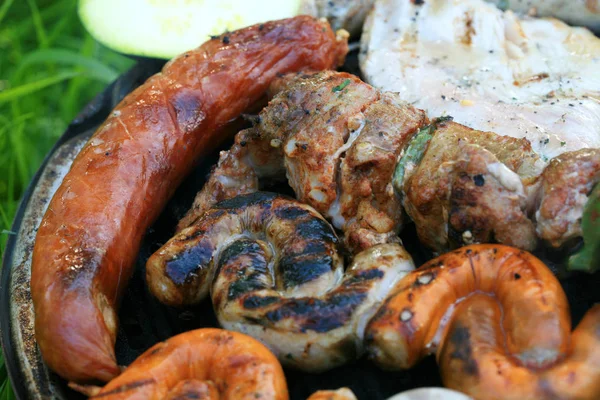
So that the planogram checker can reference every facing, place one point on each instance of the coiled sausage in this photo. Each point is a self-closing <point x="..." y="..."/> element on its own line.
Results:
<point x="278" y="278"/>
<point x="499" y="323"/>
<point x="413" y="320"/>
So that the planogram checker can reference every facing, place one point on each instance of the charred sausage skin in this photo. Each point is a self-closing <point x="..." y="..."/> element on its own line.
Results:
<point x="273" y="270"/>
<point x="118" y="184"/>
<point x="257" y="227"/>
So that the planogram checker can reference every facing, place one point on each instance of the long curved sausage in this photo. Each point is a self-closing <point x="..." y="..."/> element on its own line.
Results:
<point x="215" y="363"/>
<point x="413" y="321"/>
<point x="118" y="184"/>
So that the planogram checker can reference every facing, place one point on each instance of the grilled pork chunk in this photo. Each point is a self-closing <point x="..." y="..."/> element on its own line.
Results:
<point x="338" y="140"/>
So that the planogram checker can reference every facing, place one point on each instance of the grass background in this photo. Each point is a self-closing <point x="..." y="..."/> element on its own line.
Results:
<point x="49" y="69"/>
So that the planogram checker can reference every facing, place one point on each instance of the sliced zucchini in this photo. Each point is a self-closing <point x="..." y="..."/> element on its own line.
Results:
<point x="166" y="28"/>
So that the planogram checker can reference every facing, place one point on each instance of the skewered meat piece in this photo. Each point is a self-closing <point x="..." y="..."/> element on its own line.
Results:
<point x="459" y="185"/>
<point x="566" y="184"/>
<point x="274" y="273"/>
<point x="472" y="187"/>
<point x="338" y="140"/>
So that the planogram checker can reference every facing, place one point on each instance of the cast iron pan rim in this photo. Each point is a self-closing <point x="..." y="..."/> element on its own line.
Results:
<point x="91" y="116"/>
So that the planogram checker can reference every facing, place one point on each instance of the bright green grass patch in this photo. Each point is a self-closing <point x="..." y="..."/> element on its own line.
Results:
<point x="49" y="69"/>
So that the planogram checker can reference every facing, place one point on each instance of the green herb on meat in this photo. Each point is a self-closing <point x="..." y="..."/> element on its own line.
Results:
<point x="414" y="151"/>
<point x="341" y="86"/>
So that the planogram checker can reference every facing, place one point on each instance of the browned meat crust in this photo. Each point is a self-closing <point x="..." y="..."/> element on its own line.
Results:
<point x="338" y="139"/>
<point x="473" y="187"/>
<point x="567" y="181"/>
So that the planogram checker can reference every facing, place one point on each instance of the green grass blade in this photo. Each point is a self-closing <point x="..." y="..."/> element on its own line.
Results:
<point x="58" y="29"/>
<point x="4" y="8"/>
<point x="50" y="13"/>
<point x="38" y="24"/>
<point x="32" y="87"/>
<point x="18" y="144"/>
<point x="92" y="67"/>
<point x="5" y="390"/>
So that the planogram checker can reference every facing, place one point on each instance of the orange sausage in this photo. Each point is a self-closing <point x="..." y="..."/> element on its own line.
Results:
<point x="90" y="236"/>
<point x="215" y="363"/>
<point x="413" y="319"/>
<point x="473" y="359"/>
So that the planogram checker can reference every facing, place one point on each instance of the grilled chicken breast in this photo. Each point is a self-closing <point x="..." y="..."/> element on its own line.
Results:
<point x="527" y="78"/>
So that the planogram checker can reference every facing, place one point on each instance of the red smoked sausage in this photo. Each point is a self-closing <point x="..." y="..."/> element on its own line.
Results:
<point x="91" y="233"/>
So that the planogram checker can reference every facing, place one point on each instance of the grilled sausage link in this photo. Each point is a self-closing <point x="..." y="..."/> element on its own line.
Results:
<point x="213" y="363"/>
<point x="413" y="320"/>
<point x="181" y="271"/>
<point x="210" y="364"/>
<point x="118" y="184"/>
<point x="499" y="323"/>
<point x="278" y="278"/>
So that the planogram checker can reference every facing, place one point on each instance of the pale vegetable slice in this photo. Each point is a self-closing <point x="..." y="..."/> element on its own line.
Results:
<point x="430" y="393"/>
<point x="165" y="28"/>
